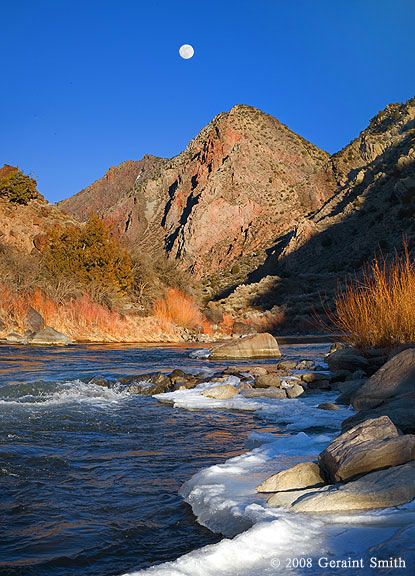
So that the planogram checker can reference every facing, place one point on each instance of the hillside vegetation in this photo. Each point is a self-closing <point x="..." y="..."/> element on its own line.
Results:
<point x="83" y="281"/>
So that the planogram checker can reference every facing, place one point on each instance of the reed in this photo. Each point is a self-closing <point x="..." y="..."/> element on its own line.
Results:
<point x="180" y="309"/>
<point x="379" y="309"/>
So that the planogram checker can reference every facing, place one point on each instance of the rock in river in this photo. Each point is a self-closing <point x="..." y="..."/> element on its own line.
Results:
<point x="50" y="336"/>
<point x="303" y="475"/>
<point x="395" y="378"/>
<point x="221" y="392"/>
<point x="294" y="391"/>
<point x="253" y="346"/>
<point x="401" y="410"/>
<point x="380" y="489"/>
<point x="369" y="446"/>
<point x="347" y="359"/>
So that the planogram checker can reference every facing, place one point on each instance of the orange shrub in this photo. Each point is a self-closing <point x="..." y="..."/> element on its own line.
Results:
<point x="379" y="310"/>
<point x="180" y="309"/>
<point x="226" y="326"/>
<point x="207" y="327"/>
<point x="13" y="309"/>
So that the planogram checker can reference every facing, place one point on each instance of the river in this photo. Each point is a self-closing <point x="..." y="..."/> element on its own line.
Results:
<point x="94" y="481"/>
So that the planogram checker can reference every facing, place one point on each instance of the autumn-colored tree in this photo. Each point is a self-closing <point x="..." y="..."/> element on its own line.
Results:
<point x="89" y="254"/>
<point x="16" y="186"/>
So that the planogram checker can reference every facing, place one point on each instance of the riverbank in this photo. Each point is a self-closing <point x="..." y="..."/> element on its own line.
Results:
<point x="225" y="498"/>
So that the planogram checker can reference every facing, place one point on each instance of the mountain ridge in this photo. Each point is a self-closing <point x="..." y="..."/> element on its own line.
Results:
<point x="249" y="199"/>
<point x="236" y="169"/>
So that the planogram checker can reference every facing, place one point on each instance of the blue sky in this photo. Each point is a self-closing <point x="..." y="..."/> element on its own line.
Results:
<point x="88" y="84"/>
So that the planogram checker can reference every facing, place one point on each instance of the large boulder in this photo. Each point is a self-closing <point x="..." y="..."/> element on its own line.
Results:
<point x="256" y="346"/>
<point x="50" y="336"/>
<point x="223" y="392"/>
<point x="294" y="391"/>
<point x="368" y="446"/>
<point x="395" y="378"/>
<point x="400" y="410"/>
<point x="286" y="499"/>
<point x="270" y="392"/>
<point x="303" y="475"/>
<point x="347" y="359"/>
<point x="380" y="489"/>
<point x="348" y="389"/>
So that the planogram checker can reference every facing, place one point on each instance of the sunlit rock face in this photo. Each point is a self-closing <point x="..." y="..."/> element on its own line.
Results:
<point x="244" y="180"/>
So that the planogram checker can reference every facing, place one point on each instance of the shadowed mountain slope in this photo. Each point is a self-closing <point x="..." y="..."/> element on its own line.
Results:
<point x="371" y="212"/>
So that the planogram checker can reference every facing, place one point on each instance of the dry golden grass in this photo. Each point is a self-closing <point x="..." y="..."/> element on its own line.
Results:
<point x="379" y="310"/>
<point x="267" y="322"/>
<point x="82" y="319"/>
<point x="180" y="309"/>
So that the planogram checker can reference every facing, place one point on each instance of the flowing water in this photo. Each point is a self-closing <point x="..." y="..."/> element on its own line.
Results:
<point x="94" y="481"/>
<point x="90" y="476"/>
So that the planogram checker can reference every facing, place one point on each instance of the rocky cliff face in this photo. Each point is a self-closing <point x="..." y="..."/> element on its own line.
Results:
<point x="371" y="212"/>
<point x="22" y="227"/>
<point x="24" y="213"/>
<point x="242" y="182"/>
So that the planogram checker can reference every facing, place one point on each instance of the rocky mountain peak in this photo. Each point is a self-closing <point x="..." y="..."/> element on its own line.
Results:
<point x="242" y="181"/>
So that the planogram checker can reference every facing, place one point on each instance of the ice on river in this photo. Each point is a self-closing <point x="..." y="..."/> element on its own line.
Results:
<point x="263" y="541"/>
<point x="260" y="540"/>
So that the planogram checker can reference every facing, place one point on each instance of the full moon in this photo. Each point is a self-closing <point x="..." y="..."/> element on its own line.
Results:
<point x="186" y="51"/>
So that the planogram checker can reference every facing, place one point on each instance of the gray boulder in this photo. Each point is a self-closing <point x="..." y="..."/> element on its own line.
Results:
<point x="347" y="359"/>
<point x="395" y="378"/>
<point x="50" y="336"/>
<point x="348" y="389"/>
<point x="400" y="410"/>
<point x="34" y="321"/>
